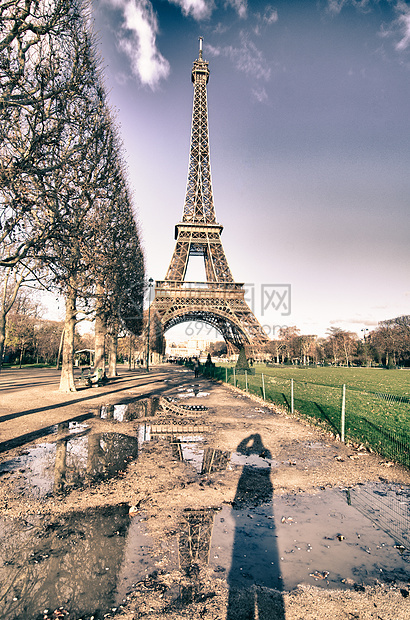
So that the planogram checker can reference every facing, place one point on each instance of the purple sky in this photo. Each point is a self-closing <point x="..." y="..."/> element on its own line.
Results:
<point x="309" y="133"/>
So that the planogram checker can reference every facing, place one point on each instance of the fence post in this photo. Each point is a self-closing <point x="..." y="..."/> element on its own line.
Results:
<point x="246" y="380"/>
<point x="343" y="417"/>
<point x="226" y="374"/>
<point x="292" y="406"/>
<point x="234" y="378"/>
<point x="263" y="387"/>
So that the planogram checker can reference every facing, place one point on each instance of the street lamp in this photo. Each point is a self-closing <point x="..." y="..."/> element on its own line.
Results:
<point x="150" y="281"/>
<point x="364" y="330"/>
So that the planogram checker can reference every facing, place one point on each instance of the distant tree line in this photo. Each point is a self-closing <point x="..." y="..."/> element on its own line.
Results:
<point x="66" y="213"/>
<point x="387" y="345"/>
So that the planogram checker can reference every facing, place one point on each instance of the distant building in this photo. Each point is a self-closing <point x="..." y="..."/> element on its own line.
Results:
<point x="189" y="348"/>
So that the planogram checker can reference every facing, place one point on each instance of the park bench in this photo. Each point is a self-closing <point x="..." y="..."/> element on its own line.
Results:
<point x="88" y="380"/>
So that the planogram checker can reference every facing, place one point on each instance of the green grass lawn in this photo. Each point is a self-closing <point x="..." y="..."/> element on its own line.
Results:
<point x="374" y="413"/>
<point x="368" y="379"/>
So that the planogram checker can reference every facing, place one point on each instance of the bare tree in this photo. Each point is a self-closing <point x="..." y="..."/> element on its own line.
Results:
<point x="20" y="332"/>
<point x="62" y="191"/>
<point x="306" y="343"/>
<point x="36" y="76"/>
<point x="288" y="340"/>
<point x="12" y="297"/>
<point x="118" y="263"/>
<point x="391" y="340"/>
<point x="342" y="344"/>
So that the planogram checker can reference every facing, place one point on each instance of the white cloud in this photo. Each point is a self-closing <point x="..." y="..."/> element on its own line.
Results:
<point x="251" y="61"/>
<point x="137" y="39"/>
<point x="198" y="9"/>
<point x="356" y="320"/>
<point x="247" y="58"/>
<point x="260" y="94"/>
<point x="404" y="25"/>
<point x="270" y="16"/>
<point x="240" y="6"/>
<point x="267" y="18"/>
<point x="220" y="28"/>
<point x="212" y="50"/>
<point x="335" y="6"/>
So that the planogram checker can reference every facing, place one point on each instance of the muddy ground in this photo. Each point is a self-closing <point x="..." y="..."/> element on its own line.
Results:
<point x="159" y="488"/>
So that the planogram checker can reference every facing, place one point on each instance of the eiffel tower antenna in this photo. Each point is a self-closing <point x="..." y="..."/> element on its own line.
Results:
<point x="220" y="301"/>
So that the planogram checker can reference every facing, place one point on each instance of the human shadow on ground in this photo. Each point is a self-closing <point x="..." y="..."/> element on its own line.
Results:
<point x="254" y="578"/>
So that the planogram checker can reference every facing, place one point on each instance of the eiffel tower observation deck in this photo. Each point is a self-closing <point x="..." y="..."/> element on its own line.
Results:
<point x="219" y="301"/>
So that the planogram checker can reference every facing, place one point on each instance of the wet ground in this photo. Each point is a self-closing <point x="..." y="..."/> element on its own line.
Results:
<point x="179" y="498"/>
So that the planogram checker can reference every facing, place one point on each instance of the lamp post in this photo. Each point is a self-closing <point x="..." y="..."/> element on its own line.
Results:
<point x="150" y="281"/>
<point x="364" y="330"/>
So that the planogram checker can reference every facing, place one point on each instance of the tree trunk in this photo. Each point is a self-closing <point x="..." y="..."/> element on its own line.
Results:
<point x="130" y="352"/>
<point x="5" y="307"/>
<point x="346" y="354"/>
<point x="59" y="349"/>
<point x="112" y="354"/>
<point x="60" y="466"/>
<point x="2" y="334"/>
<point x="67" y="370"/>
<point x="100" y="332"/>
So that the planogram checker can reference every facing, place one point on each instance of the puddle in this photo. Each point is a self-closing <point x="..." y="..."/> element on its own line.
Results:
<point x="187" y="449"/>
<point x="147" y="408"/>
<point x="317" y="445"/>
<point x="42" y="432"/>
<point x="83" y="562"/>
<point x="144" y="408"/>
<point x="319" y="540"/>
<point x="194" y="545"/>
<point x="70" y="462"/>
<point x="190" y="392"/>
<point x="187" y="446"/>
<point x="88" y="562"/>
<point x="388" y="507"/>
<point x="253" y="460"/>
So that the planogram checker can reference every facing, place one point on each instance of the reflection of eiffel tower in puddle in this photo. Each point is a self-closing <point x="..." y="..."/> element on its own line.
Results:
<point x="214" y="460"/>
<point x="195" y="537"/>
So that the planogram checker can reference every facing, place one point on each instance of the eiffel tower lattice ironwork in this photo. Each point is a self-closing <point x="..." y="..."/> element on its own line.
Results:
<point x="220" y="301"/>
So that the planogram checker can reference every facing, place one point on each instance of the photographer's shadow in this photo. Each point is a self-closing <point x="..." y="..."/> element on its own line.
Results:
<point x="254" y="578"/>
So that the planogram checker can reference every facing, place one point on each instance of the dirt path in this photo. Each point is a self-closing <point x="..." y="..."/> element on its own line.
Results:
<point x="299" y="461"/>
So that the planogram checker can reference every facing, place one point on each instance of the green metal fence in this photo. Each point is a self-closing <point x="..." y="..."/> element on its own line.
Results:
<point x="377" y="420"/>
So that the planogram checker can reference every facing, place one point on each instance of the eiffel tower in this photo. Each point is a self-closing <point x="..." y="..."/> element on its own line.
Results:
<point x="220" y="301"/>
<point x="195" y="536"/>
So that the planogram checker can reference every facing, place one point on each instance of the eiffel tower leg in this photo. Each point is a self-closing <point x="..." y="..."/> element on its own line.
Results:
<point x="216" y="265"/>
<point x="231" y="349"/>
<point x="179" y="262"/>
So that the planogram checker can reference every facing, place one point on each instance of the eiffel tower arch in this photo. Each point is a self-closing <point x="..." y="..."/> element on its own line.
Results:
<point x="219" y="301"/>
